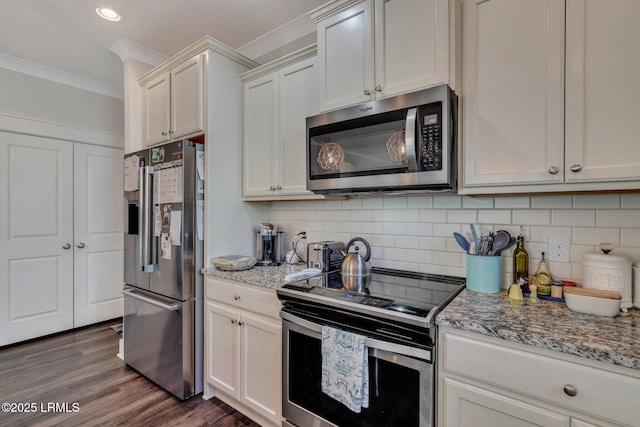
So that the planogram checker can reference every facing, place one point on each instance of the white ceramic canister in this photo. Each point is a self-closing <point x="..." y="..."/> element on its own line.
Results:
<point x="636" y="284"/>
<point x="608" y="272"/>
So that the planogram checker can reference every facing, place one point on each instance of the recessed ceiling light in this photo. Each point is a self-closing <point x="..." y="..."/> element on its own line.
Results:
<point x="108" y="14"/>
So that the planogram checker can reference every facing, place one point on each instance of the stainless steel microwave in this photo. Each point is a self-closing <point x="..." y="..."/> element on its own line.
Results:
<point x="399" y="144"/>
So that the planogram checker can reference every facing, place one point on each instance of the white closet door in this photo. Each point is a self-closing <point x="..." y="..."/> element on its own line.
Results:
<point x="36" y="225"/>
<point x="99" y="233"/>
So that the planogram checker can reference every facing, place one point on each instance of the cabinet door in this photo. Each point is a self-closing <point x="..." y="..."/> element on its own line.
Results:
<point x="98" y="234"/>
<point x="298" y="100"/>
<point x="411" y="45"/>
<point x="36" y="237"/>
<point x="187" y="98"/>
<point x="345" y="57"/>
<point x="603" y="65"/>
<point x="513" y="65"/>
<point x="262" y="366"/>
<point x="260" y="133"/>
<point x="156" y="110"/>
<point x="470" y="406"/>
<point x="222" y="349"/>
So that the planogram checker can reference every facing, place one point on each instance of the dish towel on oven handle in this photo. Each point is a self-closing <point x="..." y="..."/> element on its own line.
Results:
<point x="345" y="368"/>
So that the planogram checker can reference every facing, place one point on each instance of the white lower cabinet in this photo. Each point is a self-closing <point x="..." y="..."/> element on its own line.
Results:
<point x="243" y="349"/>
<point x="489" y="382"/>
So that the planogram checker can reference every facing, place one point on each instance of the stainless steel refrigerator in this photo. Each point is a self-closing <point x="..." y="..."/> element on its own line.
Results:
<point x="163" y="256"/>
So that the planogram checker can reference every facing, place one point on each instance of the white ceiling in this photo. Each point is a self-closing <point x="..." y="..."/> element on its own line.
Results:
<point x="68" y="35"/>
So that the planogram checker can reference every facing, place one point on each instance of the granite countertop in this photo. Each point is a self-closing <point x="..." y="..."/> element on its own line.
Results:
<point x="264" y="277"/>
<point x="549" y="325"/>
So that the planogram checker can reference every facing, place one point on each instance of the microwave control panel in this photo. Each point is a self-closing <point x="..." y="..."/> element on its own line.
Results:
<point x="431" y="143"/>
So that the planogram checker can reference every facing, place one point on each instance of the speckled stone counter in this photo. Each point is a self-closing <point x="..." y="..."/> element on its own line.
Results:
<point x="548" y="325"/>
<point x="265" y="277"/>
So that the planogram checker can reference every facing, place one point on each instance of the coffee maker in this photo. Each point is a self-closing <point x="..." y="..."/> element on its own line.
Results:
<point x="268" y="245"/>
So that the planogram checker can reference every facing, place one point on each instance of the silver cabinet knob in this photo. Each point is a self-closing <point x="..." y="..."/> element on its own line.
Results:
<point x="80" y="245"/>
<point x="553" y="170"/>
<point x="163" y="133"/>
<point x="378" y="88"/>
<point x="236" y="297"/>
<point x="278" y="188"/>
<point x="239" y="323"/>
<point x="233" y="321"/>
<point x="272" y="188"/>
<point x="576" y="168"/>
<point x="570" y="390"/>
<point x="66" y="246"/>
<point x="367" y="92"/>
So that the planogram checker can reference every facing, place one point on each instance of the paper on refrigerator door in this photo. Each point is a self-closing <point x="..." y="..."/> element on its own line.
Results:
<point x="200" y="164"/>
<point x="200" y="219"/>
<point x="169" y="185"/>
<point x="175" y="229"/>
<point x="131" y="165"/>
<point x="157" y="221"/>
<point x="165" y="246"/>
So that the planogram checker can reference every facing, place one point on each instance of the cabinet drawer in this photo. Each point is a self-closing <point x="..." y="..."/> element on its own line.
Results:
<point x="246" y="297"/>
<point x="599" y="392"/>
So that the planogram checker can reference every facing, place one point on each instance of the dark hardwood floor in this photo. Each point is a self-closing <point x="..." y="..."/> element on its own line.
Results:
<point x="75" y="379"/>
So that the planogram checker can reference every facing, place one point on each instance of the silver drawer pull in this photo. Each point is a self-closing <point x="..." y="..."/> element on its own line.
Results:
<point x="169" y="307"/>
<point x="570" y="390"/>
<point x="554" y="170"/>
<point x="576" y="168"/>
<point x="236" y="297"/>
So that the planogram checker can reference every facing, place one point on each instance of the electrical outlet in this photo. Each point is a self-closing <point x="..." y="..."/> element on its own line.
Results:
<point x="559" y="248"/>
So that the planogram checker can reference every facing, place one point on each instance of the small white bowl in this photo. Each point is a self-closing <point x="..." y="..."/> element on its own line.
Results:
<point x="592" y="305"/>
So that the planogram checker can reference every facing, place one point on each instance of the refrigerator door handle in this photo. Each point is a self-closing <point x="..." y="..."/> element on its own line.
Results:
<point x="132" y="293"/>
<point x="141" y="254"/>
<point x="147" y="240"/>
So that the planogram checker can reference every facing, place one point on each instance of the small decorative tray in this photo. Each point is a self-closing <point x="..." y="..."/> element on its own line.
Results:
<point x="233" y="262"/>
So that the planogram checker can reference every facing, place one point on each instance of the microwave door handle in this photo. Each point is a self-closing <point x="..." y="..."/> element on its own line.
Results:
<point x="148" y="235"/>
<point x="410" y="139"/>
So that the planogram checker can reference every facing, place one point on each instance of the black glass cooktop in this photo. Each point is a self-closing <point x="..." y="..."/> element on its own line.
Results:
<point x="407" y="294"/>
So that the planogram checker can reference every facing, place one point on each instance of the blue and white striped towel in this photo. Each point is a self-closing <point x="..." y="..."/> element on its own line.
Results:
<point x="345" y="368"/>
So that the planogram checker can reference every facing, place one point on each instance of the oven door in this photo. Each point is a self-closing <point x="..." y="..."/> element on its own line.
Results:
<point x="400" y="385"/>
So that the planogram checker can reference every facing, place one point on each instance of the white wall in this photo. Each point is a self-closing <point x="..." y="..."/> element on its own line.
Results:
<point x="33" y="98"/>
<point x="415" y="233"/>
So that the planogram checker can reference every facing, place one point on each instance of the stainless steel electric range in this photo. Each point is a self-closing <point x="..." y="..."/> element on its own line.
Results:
<point x="395" y="312"/>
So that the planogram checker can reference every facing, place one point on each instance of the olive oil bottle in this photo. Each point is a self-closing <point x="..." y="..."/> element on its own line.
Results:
<point x="520" y="261"/>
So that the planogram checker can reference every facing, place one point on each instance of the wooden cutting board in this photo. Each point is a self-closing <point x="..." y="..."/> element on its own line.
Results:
<point x="598" y="293"/>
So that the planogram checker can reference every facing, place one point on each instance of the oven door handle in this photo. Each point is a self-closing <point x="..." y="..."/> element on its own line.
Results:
<point x="369" y="342"/>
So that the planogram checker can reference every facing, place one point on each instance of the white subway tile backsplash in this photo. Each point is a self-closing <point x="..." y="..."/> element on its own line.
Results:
<point x="512" y="202"/>
<point x="433" y="243"/>
<point x="618" y="218"/>
<point x="415" y="232"/>
<point x="551" y="202"/>
<point x="450" y="202"/>
<point x="532" y="217"/>
<point x="395" y="203"/>
<point x="595" y="236"/>
<point x="419" y="202"/>
<point x="477" y="202"/>
<point x="494" y="216"/>
<point x="433" y="215"/>
<point x="599" y="201"/>
<point x="573" y="217"/>
<point x="631" y="201"/>
<point x="373" y="203"/>
<point x="462" y="216"/>
<point x="420" y="229"/>
<point x="407" y="215"/>
<point x="407" y="242"/>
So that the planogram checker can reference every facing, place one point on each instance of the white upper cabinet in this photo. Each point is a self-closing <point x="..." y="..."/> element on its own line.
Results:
<point x="173" y="103"/>
<point x="373" y="49"/>
<point x="547" y="112"/>
<point x="603" y="103"/>
<point x="278" y="97"/>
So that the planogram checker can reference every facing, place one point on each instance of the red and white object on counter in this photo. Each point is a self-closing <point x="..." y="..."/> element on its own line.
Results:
<point x="608" y="272"/>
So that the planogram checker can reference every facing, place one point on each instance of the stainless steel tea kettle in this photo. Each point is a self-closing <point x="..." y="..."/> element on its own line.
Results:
<point x="356" y="269"/>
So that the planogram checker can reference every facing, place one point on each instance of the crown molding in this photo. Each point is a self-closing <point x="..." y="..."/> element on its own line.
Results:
<point x="285" y="61"/>
<point x="331" y="8"/>
<point x="126" y="49"/>
<point x="206" y="42"/>
<point x="295" y="29"/>
<point x="53" y="74"/>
